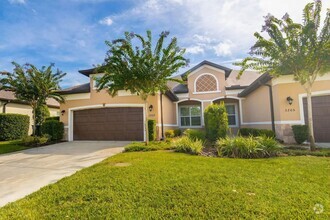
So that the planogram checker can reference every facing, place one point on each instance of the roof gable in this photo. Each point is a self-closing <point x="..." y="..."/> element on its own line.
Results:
<point x="207" y="63"/>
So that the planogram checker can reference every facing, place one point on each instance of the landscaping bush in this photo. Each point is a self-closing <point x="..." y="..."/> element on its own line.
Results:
<point x="216" y="121"/>
<point x="187" y="145"/>
<point x="54" y="129"/>
<point x="256" y="132"/>
<point x="152" y="130"/>
<point x="173" y="133"/>
<point x="248" y="147"/>
<point x="300" y="133"/>
<point x="169" y="133"/>
<point x="13" y="126"/>
<point x="33" y="141"/>
<point x="177" y="132"/>
<point x="152" y="146"/>
<point x="195" y="134"/>
<point x="55" y="118"/>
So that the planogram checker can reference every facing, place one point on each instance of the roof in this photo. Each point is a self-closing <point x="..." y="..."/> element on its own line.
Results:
<point x="205" y="62"/>
<point x="171" y="96"/>
<point x="88" y="71"/>
<point x="181" y="88"/>
<point x="264" y="78"/>
<point x="10" y="96"/>
<point x="233" y="87"/>
<point x="83" y="88"/>
<point x="245" y="79"/>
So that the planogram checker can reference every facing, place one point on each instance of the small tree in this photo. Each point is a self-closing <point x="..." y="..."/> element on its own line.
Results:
<point x="302" y="50"/>
<point x="42" y="112"/>
<point x="141" y="69"/>
<point x="33" y="85"/>
<point x="216" y="121"/>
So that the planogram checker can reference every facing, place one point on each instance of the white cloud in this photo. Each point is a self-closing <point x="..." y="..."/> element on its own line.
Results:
<point x="224" y="48"/>
<point x="194" y="50"/>
<point x="106" y="21"/>
<point x="17" y="1"/>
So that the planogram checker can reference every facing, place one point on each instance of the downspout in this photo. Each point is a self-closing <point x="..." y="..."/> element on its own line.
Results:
<point x="161" y="116"/>
<point x="271" y="106"/>
<point x="4" y="106"/>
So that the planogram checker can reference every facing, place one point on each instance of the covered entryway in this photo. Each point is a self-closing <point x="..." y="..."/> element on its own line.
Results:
<point x="321" y="117"/>
<point x="112" y="124"/>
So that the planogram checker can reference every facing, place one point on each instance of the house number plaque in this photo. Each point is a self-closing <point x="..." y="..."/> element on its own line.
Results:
<point x="290" y="110"/>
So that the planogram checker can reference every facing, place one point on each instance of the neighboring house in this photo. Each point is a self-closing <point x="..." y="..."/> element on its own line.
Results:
<point x="9" y="104"/>
<point x="91" y="115"/>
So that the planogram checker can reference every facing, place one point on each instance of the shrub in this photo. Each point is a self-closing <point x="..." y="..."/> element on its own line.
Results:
<point x="152" y="146"/>
<point x="187" y="145"/>
<point x="13" y="126"/>
<point x="195" y="134"/>
<point x="300" y="133"/>
<point x="169" y="133"/>
<point x="33" y="141"/>
<point x="216" y="121"/>
<point x="152" y="130"/>
<point x="256" y="132"/>
<point x="248" y="147"/>
<point x="177" y="132"/>
<point x="55" y="118"/>
<point x="54" y="129"/>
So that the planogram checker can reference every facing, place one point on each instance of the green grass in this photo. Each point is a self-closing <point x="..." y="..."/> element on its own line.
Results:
<point x="152" y="146"/>
<point x="11" y="146"/>
<point x="299" y="151"/>
<point x="168" y="185"/>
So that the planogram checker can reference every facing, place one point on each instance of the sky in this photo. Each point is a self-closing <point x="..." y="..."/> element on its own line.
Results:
<point x="71" y="33"/>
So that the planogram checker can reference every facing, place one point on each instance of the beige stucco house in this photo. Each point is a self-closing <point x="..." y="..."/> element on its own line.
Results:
<point x="91" y="115"/>
<point x="9" y="104"/>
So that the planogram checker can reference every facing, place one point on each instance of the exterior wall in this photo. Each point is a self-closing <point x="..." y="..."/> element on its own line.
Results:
<point x="103" y="99"/>
<point x="220" y="76"/>
<point x="287" y="114"/>
<point x="256" y="107"/>
<point x="15" y="108"/>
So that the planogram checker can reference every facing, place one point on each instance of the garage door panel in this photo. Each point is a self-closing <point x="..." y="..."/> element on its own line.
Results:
<point x="321" y="117"/>
<point x="123" y="123"/>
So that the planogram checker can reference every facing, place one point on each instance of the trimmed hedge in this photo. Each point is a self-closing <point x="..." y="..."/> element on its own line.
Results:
<point x="256" y="132"/>
<point x="55" y="118"/>
<point x="300" y="133"/>
<point x="54" y="129"/>
<point x="13" y="126"/>
<point x="216" y="121"/>
<point x="152" y="129"/>
<point x="195" y="134"/>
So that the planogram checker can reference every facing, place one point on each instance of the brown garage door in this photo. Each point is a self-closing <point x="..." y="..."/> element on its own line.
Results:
<point x="321" y="117"/>
<point x="115" y="124"/>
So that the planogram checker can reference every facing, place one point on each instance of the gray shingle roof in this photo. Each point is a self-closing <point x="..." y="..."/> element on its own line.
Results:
<point x="83" y="88"/>
<point x="264" y="78"/>
<point x="181" y="88"/>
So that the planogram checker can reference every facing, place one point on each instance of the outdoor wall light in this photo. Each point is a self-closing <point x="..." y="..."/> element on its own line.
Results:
<point x="151" y="108"/>
<point x="290" y="100"/>
<point x="62" y="112"/>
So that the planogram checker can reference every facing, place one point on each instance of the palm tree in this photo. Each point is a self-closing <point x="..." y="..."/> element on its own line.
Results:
<point x="301" y="50"/>
<point x="141" y="68"/>
<point x="33" y="85"/>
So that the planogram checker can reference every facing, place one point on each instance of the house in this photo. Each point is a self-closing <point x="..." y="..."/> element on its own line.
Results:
<point x="9" y="104"/>
<point x="254" y="100"/>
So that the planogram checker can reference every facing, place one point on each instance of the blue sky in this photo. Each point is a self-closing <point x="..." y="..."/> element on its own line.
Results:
<point x="71" y="33"/>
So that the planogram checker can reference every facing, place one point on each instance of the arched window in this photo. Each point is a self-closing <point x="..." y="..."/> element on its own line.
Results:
<point x="206" y="83"/>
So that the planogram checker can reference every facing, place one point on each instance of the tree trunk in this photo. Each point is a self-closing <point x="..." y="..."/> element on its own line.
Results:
<point x="310" y="118"/>
<point x="34" y="108"/>
<point x="146" y="122"/>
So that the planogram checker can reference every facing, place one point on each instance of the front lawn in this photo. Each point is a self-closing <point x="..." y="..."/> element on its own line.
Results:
<point x="168" y="185"/>
<point x="11" y="146"/>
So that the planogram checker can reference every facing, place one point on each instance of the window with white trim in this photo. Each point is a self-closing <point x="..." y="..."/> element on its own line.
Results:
<point x="232" y="115"/>
<point x="190" y="116"/>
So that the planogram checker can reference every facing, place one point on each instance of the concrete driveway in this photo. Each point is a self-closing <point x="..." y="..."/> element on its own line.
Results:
<point x="27" y="171"/>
